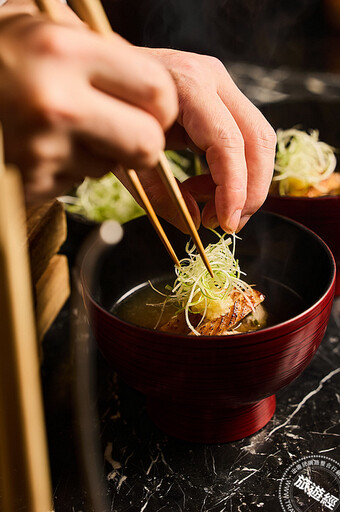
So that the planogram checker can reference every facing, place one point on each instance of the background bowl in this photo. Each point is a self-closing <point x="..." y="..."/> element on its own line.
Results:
<point x="321" y="214"/>
<point x="217" y="389"/>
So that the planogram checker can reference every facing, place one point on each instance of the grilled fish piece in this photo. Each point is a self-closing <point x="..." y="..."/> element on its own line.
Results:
<point x="222" y="325"/>
<point x="177" y="324"/>
<point x="296" y="188"/>
<point x="240" y="308"/>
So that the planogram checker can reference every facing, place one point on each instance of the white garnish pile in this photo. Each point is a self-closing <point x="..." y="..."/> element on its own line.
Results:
<point x="302" y="157"/>
<point x="195" y="291"/>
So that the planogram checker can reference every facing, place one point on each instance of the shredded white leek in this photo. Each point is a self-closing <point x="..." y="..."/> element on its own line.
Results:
<point x="106" y="198"/>
<point x="103" y="199"/>
<point x="194" y="290"/>
<point x="301" y="156"/>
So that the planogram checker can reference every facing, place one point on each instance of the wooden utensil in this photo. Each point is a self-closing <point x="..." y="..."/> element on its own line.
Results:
<point x="25" y="476"/>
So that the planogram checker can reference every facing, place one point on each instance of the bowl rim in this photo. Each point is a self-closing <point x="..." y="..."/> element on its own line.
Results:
<point x="329" y="292"/>
<point x="328" y="198"/>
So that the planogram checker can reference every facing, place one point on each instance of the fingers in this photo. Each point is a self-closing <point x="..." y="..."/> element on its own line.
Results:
<point x="52" y="164"/>
<point x="177" y="138"/>
<point x="119" y="131"/>
<point x="116" y="101"/>
<point x="201" y="188"/>
<point x="259" y="140"/>
<point x="160" y="199"/>
<point x="116" y="68"/>
<point x="135" y="78"/>
<point x="215" y="131"/>
<point x="127" y="103"/>
<point x="240" y="151"/>
<point x="239" y="142"/>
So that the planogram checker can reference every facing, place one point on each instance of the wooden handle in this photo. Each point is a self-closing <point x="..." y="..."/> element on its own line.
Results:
<point x="25" y="476"/>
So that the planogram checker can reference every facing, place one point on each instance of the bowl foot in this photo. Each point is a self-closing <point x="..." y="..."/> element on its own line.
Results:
<point x="210" y="425"/>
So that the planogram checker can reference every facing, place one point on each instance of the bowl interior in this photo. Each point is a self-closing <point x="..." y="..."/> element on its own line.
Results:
<point x="286" y="261"/>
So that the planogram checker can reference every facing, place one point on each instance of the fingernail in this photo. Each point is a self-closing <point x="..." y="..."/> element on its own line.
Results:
<point x="212" y="222"/>
<point x="243" y="221"/>
<point x="234" y="221"/>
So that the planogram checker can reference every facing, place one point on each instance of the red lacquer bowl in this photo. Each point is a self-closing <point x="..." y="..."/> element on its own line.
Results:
<point x="217" y="389"/>
<point x="320" y="214"/>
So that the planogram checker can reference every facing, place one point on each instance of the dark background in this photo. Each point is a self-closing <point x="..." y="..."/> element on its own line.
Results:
<point x="302" y="34"/>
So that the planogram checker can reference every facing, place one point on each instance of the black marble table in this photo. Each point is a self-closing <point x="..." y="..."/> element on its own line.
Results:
<point x="144" y="470"/>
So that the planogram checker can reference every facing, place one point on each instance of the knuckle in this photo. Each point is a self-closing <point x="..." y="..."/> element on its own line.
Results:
<point x="238" y="191"/>
<point x="155" y="89"/>
<point x="40" y="151"/>
<point x="51" y="108"/>
<point x="37" y="153"/>
<point x="266" y="137"/>
<point x="255" y="200"/>
<point x="193" y="67"/>
<point x="50" y="40"/>
<point x="231" y="138"/>
<point x="215" y="64"/>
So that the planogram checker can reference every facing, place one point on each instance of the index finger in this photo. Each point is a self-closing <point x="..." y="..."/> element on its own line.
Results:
<point x="215" y="131"/>
<point x="260" y="141"/>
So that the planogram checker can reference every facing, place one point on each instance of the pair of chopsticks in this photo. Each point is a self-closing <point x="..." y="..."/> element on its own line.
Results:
<point x="92" y="13"/>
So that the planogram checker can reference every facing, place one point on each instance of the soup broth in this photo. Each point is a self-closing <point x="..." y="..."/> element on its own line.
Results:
<point x="144" y="307"/>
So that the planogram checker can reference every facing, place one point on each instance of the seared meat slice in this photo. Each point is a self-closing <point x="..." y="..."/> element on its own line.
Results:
<point x="240" y="308"/>
<point x="329" y="186"/>
<point x="222" y="325"/>
<point x="178" y="325"/>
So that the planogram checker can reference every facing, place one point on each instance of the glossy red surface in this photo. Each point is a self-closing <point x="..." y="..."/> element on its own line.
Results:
<point x="218" y="389"/>
<point x="320" y="214"/>
<point x="208" y="389"/>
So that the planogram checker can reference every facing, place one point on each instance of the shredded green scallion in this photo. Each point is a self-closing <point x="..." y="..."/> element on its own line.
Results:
<point x="303" y="157"/>
<point x="195" y="291"/>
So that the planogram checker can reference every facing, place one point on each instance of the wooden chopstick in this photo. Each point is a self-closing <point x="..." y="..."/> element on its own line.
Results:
<point x="92" y="12"/>
<point x="175" y="193"/>
<point x="48" y="8"/>
<point x="2" y="151"/>
<point x="135" y="182"/>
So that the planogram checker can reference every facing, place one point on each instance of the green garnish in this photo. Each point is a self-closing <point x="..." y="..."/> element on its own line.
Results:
<point x="301" y="159"/>
<point x="103" y="199"/>
<point x="106" y="198"/>
<point x="195" y="291"/>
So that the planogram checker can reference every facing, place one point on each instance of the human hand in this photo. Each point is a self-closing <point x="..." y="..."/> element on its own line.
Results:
<point x="217" y="119"/>
<point x="74" y="104"/>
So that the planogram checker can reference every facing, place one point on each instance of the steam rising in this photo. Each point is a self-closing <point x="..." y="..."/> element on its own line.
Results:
<point x="229" y="29"/>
